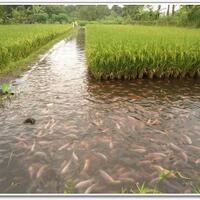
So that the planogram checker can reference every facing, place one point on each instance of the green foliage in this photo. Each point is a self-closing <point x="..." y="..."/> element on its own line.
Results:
<point x="132" y="11"/>
<point x="142" y="189"/>
<point x="69" y="187"/>
<point x="197" y="189"/>
<point x="129" y="52"/>
<point x="19" y="41"/>
<point x="5" y="88"/>
<point x="125" y="191"/>
<point x="92" y="13"/>
<point x="61" y="18"/>
<point x="117" y="10"/>
<point x="40" y="17"/>
<point x="180" y="175"/>
<point x="188" y="15"/>
<point x="85" y="22"/>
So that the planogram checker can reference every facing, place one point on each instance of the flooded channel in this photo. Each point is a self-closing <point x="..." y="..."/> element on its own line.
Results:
<point x="97" y="137"/>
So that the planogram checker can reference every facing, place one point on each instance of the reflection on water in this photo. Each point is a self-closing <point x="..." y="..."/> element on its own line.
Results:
<point x="97" y="137"/>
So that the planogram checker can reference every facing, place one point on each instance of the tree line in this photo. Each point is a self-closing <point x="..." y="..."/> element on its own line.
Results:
<point x="28" y="14"/>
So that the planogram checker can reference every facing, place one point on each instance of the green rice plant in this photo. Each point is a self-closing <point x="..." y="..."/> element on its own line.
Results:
<point x="133" y="51"/>
<point x="69" y="187"/>
<point x="197" y="189"/>
<point x="124" y="191"/>
<point x="142" y="189"/>
<point x="19" y="41"/>
<point x="180" y="175"/>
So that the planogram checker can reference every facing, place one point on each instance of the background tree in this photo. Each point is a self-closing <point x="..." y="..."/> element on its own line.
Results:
<point x="117" y="9"/>
<point x="168" y="10"/>
<point x="187" y="15"/>
<point x="133" y="12"/>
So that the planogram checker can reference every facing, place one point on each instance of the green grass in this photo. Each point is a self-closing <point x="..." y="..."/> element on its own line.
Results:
<point x="130" y="52"/>
<point x="17" y="42"/>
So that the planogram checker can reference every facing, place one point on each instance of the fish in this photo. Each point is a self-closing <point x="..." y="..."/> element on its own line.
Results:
<point x="133" y="123"/>
<point x="162" y="170"/>
<point x="184" y="156"/>
<point x="70" y="127"/>
<point x="153" y="122"/>
<point x="156" y="156"/>
<point x="175" y="147"/>
<point x="84" y="184"/>
<point x="73" y="136"/>
<point x="102" y="156"/>
<point x="111" y="145"/>
<point x="41" y="171"/>
<point x="117" y="125"/>
<point x="31" y="171"/>
<point x="63" y="163"/>
<point x="105" y="130"/>
<point x="157" y="141"/>
<point x="107" y="177"/>
<point x="197" y="161"/>
<point x="44" y="142"/>
<point x="126" y="180"/>
<point x="195" y="148"/>
<point x="158" y="168"/>
<point x="177" y="162"/>
<point x="188" y="139"/>
<point x="41" y="155"/>
<point x="33" y="146"/>
<point x="121" y="170"/>
<point x="145" y="162"/>
<point x="74" y="156"/>
<point x="40" y="133"/>
<point x="63" y="147"/>
<point x="155" y="180"/>
<point x="10" y="158"/>
<point x="66" y="167"/>
<point x="46" y="126"/>
<point x="161" y="132"/>
<point x="140" y="150"/>
<point x="126" y="174"/>
<point x="86" y="166"/>
<point x="91" y="188"/>
<point x="52" y="125"/>
<point x="96" y="123"/>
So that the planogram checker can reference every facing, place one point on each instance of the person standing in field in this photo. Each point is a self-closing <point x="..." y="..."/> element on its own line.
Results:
<point x="74" y="24"/>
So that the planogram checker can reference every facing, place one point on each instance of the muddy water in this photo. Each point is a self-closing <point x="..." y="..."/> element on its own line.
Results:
<point x="112" y="135"/>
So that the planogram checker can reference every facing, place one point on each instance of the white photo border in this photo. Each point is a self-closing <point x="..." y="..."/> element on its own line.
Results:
<point x="99" y="196"/>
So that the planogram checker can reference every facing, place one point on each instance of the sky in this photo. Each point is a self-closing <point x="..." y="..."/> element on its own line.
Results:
<point x="155" y="6"/>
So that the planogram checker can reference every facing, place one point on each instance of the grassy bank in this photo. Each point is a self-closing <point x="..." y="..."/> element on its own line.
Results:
<point x="21" y="43"/>
<point x="129" y="52"/>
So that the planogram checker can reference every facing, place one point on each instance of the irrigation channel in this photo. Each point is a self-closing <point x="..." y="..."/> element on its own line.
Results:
<point x="110" y="134"/>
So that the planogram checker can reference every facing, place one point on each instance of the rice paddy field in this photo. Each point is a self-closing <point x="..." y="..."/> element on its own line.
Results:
<point x="19" y="41"/>
<point x="130" y="52"/>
